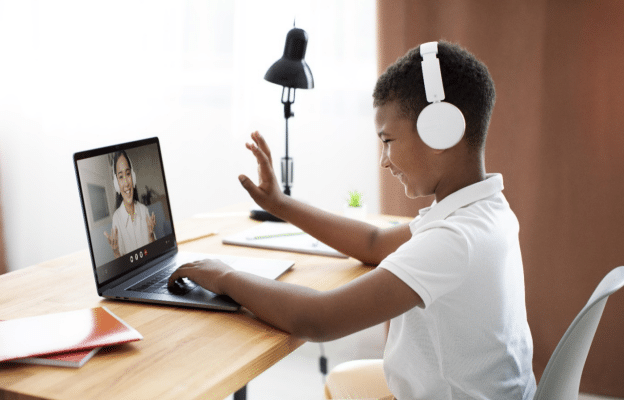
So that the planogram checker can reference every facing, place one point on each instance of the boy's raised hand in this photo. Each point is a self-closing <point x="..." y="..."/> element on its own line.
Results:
<point x="267" y="192"/>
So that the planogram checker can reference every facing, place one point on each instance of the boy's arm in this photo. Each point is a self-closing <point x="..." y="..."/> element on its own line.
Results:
<point x="375" y="297"/>
<point x="357" y="239"/>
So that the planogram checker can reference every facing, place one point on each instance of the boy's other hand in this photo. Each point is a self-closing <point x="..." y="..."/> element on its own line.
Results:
<point x="205" y="273"/>
<point x="267" y="192"/>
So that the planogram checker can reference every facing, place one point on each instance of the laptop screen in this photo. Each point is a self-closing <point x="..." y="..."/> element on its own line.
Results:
<point x="125" y="205"/>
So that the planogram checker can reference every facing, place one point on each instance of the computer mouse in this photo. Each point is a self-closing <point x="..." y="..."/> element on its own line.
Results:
<point x="179" y="287"/>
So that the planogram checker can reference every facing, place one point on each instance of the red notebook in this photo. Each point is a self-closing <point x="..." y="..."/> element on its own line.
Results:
<point x="63" y="332"/>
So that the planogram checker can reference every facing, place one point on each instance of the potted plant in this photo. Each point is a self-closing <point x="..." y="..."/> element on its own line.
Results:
<point x="355" y="207"/>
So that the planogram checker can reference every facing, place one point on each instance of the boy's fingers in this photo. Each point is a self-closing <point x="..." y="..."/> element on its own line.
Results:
<point x="176" y="274"/>
<point x="261" y="156"/>
<point x="262" y="144"/>
<point x="182" y="272"/>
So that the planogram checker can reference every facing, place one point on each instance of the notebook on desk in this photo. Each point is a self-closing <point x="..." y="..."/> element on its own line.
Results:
<point x="281" y="236"/>
<point x="130" y="230"/>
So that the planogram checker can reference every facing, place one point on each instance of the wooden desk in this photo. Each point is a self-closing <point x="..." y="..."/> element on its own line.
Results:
<point x="185" y="353"/>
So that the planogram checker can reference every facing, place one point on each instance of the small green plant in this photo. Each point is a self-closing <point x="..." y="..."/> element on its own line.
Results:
<point x="355" y="199"/>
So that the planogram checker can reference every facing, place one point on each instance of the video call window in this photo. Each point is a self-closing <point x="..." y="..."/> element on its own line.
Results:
<point x="125" y="201"/>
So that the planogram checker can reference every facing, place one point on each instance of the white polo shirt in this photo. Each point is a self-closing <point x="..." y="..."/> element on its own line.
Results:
<point x="470" y="339"/>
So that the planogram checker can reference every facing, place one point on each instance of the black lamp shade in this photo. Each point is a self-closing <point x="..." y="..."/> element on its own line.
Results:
<point x="291" y="70"/>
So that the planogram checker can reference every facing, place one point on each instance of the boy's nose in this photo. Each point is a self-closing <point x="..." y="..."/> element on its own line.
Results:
<point x="384" y="162"/>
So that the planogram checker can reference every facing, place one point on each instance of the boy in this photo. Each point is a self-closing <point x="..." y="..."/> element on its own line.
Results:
<point x="451" y="281"/>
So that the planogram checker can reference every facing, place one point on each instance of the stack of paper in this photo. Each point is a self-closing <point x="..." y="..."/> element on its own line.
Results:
<point x="63" y="339"/>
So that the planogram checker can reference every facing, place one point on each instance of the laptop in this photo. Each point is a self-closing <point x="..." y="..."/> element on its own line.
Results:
<point x="130" y="230"/>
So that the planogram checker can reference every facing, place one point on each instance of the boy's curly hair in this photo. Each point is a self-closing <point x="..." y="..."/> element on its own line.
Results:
<point x="467" y="84"/>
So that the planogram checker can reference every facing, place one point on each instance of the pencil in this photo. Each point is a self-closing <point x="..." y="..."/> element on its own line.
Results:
<point x="275" y="235"/>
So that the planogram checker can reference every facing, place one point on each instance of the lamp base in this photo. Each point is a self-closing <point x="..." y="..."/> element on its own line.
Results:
<point x="259" y="214"/>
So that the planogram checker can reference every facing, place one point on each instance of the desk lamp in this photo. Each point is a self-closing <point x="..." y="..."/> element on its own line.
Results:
<point x="291" y="72"/>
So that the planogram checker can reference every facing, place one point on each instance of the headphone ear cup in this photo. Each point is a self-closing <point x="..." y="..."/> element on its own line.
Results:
<point x="441" y="125"/>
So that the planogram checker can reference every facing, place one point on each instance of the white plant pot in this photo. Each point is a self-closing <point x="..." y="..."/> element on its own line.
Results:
<point x="355" y="212"/>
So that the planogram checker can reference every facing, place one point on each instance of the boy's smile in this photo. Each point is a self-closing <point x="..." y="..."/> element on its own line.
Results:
<point x="403" y="152"/>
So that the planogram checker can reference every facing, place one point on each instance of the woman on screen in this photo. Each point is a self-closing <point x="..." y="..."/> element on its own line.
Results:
<point x="133" y="227"/>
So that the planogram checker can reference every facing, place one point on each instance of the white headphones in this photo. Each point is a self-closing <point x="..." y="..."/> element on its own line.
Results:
<point x="440" y="125"/>
<point x="115" y="183"/>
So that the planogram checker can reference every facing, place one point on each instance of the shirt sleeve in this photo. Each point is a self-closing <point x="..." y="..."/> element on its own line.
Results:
<point x="433" y="262"/>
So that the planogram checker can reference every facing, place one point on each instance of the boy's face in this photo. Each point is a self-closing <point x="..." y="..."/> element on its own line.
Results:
<point x="404" y="153"/>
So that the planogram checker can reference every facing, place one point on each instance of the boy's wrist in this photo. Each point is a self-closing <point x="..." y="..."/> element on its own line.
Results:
<point x="278" y="205"/>
<point x="225" y="282"/>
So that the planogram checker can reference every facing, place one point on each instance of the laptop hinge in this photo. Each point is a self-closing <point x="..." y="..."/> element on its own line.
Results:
<point x="138" y="271"/>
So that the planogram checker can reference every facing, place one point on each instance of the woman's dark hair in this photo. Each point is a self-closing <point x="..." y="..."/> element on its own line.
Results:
<point x="118" y="197"/>
<point x="467" y="84"/>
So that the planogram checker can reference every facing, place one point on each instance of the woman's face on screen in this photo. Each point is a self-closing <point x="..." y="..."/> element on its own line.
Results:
<point x="124" y="178"/>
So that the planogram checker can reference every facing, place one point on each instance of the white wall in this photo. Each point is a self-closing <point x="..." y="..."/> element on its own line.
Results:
<point x="76" y="75"/>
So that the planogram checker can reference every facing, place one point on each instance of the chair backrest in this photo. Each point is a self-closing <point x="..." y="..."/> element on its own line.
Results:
<point x="562" y="376"/>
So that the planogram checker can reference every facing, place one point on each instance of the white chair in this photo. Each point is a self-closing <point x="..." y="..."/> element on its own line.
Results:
<point x="562" y="376"/>
<point x="357" y="379"/>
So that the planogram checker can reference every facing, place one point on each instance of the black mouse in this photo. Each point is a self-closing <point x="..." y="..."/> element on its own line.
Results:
<point x="179" y="287"/>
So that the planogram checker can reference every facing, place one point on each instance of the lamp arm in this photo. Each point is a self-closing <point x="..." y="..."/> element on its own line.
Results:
<point x="287" y="101"/>
<point x="287" y="162"/>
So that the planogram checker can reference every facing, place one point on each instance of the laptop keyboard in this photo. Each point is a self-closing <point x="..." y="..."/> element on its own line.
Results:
<point x="158" y="283"/>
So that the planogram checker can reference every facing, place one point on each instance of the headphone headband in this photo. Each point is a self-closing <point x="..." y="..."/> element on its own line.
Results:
<point x="431" y="72"/>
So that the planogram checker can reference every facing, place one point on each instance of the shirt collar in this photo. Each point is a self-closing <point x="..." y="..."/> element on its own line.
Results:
<point x="492" y="184"/>
<point x="125" y="217"/>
